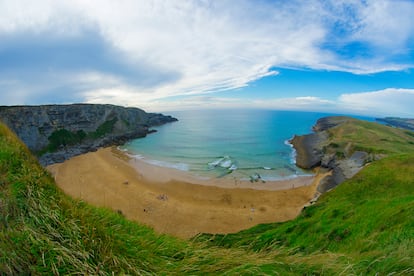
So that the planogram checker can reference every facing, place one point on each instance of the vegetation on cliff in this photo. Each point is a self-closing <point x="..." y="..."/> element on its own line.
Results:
<point x="367" y="222"/>
<point x="63" y="137"/>
<point x="364" y="226"/>
<point x="341" y="137"/>
<point x="43" y="231"/>
<point x="58" y="132"/>
<point x="357" y="135"/>
<point x="345" y="145"/>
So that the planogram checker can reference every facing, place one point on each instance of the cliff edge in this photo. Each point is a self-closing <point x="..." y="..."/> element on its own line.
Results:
<point x="57" y="132"/>
<point x="344" y="145"/>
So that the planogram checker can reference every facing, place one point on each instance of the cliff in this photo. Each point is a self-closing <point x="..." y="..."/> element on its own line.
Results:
<point x="58" y="132"/>
<point x="363" y="227"/>
<point x="310" y="148"/>
<point x="344" y="145"/>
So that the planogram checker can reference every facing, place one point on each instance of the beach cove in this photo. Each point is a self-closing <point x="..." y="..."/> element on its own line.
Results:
<point x="176" y="203"/>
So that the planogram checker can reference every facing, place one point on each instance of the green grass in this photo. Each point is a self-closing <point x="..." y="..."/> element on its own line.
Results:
<point x="370" y="137"/>
<point x="364" y="226"/>
<point x="369" y="219"/>
<point x="104" y="128"/>
<point x="43" y="231"/>
<point x="63" y="137"/>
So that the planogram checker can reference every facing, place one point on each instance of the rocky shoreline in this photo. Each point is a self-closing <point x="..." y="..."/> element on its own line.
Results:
<point x="312" y="151"/>
<point x="92" y="126"/>
<point x="56" y="133"/>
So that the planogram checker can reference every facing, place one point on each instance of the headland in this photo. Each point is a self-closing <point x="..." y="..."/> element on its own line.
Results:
<point x="55" y="133"/>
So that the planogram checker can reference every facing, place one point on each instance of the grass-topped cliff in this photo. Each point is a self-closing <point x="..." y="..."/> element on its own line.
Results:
<point x="364" y="226"/>
<point x="344" y="145"/>
<point x="357" y="135"/>
<point x="43" y="231"/>
<point x="57" y="132"/>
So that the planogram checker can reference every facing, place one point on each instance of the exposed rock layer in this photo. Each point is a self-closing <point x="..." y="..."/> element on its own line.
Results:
<point x="311" y="152"/>
<point x="309" y="149"/>
<point x="35" y="124"/>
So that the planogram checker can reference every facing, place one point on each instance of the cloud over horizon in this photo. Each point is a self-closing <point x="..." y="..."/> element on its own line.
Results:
<point x="397" y="102"/>
<point x="140" y="52"/>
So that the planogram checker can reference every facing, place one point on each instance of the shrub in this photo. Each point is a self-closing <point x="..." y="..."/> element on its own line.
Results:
<point x="64" y="137"/>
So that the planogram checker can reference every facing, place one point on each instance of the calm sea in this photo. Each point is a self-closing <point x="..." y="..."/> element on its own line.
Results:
<point x="232" y="143"/>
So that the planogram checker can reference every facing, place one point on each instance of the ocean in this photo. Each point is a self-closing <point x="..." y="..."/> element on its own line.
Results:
<point x="242" y="144"/>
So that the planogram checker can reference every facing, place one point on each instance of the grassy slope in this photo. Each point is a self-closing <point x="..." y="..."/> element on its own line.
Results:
<point x="369" y="220"/>
<point x="43" y="231"/>
<point x="371" y="137"/>
<point x="363" y="226"/>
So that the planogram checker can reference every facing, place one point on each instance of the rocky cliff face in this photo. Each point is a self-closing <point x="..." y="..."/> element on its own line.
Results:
<point x="311" y="152"/>
<point x="92" y="125"/>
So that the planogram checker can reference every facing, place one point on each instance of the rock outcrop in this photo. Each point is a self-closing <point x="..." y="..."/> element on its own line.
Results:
<point x="91" y="125"/>
<point x="309" y="149"/>
<point x="312" y="151"/>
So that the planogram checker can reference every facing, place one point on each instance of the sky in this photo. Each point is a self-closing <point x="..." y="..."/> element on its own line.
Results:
<point x="336" y="56"/>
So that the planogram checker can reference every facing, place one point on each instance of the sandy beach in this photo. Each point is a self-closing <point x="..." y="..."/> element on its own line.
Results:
<point x="172" y="201"/>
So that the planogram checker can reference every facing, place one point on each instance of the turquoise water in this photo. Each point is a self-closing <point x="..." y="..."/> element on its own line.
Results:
<point x="233" y="143"/>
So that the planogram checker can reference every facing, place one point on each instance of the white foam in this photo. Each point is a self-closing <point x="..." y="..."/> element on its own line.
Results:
<point x="226" y="163"/>
<point x="136" y="156"/>
<point x="165" y="164"/>
<point x="121" y="149"/>
<point x="293" y="152"/>
<point x="233" y="167"/>
<point x="215" y="163"/>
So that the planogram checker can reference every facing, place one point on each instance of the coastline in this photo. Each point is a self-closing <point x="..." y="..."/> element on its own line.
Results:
<point x="162" y="174"/>
<point x="174" y="202"/>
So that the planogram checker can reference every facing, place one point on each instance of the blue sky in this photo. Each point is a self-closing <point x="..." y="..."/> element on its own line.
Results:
<point x="343" y="56"/>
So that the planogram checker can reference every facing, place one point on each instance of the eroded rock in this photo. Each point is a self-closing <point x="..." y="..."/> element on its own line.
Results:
<point x="102" y="125"/>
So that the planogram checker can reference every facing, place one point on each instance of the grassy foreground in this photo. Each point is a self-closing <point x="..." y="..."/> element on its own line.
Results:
<point x="364" y="226"/>
<point x="369" y="220"/>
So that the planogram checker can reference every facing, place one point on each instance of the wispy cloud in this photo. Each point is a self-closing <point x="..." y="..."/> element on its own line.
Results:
<point x="387" y="102"/>
<point x="139" y="52"/>
<point x="211" y="102"/>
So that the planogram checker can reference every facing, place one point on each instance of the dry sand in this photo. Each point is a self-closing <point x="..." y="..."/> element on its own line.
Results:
<point x="173" y="202"/>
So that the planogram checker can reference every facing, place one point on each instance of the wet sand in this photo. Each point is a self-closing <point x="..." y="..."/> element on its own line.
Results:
<point x="172" y="201"/>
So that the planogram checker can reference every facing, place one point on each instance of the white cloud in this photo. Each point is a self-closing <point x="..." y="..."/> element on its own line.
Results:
<point x="387" y="24"/>
<point x="214" y="47"/>
<point x="382" y="103"/>
<point x="196" y="47"/>
<point x="308" y="103"/>
<point x="387" y="102"/>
